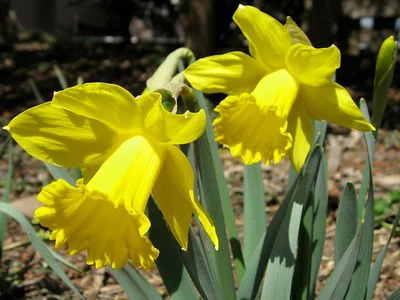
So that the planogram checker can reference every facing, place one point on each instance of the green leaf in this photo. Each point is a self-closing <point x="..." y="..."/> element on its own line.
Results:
<point x="255" y="270"/>
<point x="6" y="196"/>
<point x="339" y="281"/>
<point x="134" y="284"/>
<point x="60" y="172"/>
<point x="359" y="281"/>
<point x="39" y="245"/>
<point x="61" y="78"/>
<point x="169" y="263"/>
<point x="350" y="276"/>
<point x="395" y="295"/>
<point x="64" y="262"/>
<point x="216" y="200"/>
<point x="346" y="221"/>
<point x="371" y="145"/>
<point x="319" y="132"/>
<point x="319" y="223"/>
<point x="281" y="263"/>
<point x="376" y="268"/>
<point x="302" y="275"/>
<point x="199" y="270"/>
<point x="254" y="209"/>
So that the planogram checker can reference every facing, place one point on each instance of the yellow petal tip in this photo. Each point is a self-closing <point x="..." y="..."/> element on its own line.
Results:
<point x="6" y="128"/>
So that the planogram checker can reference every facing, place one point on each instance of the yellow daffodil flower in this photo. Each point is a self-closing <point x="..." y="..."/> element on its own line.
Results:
<point x="126" y="150"/>
<point x="275" y="93"/>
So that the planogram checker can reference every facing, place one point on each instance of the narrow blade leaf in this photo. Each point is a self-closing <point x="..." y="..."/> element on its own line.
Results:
<point x="6" y="197"/>
<point x="254" y="209"/>
<point x="319" y="223"/>
<point x="217" y="202"/>
<point x="253" y="276"/>
<point x="169" y="263"/>
<point x="346" y="221"/>
<point x="134" y="284"/>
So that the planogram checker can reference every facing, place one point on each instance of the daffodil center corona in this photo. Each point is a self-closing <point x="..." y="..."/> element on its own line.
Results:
<point x="119" y="178"/>
<point x="277" y="92"/>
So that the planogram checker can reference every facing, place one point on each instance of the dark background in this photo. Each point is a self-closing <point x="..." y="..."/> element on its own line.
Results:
<point x="123" y="41"/>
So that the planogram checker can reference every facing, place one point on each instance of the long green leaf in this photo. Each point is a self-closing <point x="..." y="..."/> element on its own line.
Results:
<point x="339" y="281"/>
<point x="359" y="281"/>
<point x="199" y="270"/>
<point x="346" y="279"/>
<point x="170" y="266"/>
<point x="280" y="268"/>
<point x="254" y="209"/>
<point x="302" y="275"/>
<point x="225" y="201"/>
<point x="217" y="202"/>
<point x="319" y="223"/>
<point x="376" y="268"/>
<point x="252" y="278"/>
<point x="346" y="221"/>
<point x="6" y="197"/>
<point x="134" y="284"/>
<point x="39" y="245"/>
<point x="281" y="264"/>
<point x="312" y="231"/>
<point x="371" y="145"/>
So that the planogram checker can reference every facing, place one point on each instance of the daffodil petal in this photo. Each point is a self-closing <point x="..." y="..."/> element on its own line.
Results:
<point x="269" y="40"/>
<point x="296" y="33"/>
<point x="60" y="137"/>
<point x="167" y="127"/>
<point x="107" y="103"/>
<point x="129" y="174"/>
<point x="312" y="66"/>
<point x="250" y="131"/>
<point x="301" y="129"/>
<point x="89" y="221"/>
<point x="333" y="104"/>
<point x="173" y="193"/>
<point x="230" y="73"/>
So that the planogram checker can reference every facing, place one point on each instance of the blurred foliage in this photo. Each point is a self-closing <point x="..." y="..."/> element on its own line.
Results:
<point x="386" y="206"/>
